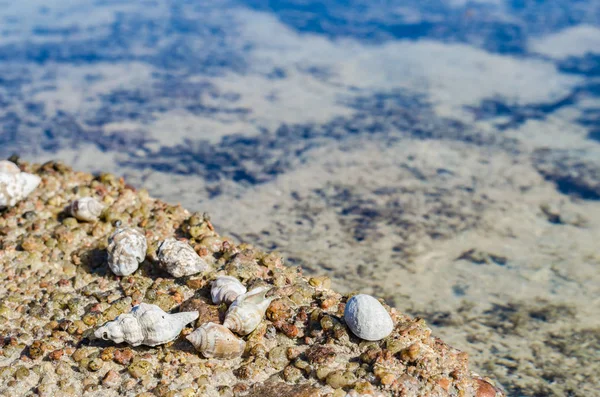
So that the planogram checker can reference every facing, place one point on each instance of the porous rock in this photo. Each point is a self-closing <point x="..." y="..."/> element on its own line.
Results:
<point x="61" y="291"/>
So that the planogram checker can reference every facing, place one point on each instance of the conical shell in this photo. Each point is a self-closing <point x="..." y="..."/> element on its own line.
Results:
<point x="86" y="209"/>
<point x="179" y="259"/>
<point x="146" y="324"/>
<point x="126" y="250"/>
<point x="225" y="289"/>
<point x="214" y="340"/>
<point x="247" y="311"/>
<point x="367" y="318"/>
<point x="15" y="186"/>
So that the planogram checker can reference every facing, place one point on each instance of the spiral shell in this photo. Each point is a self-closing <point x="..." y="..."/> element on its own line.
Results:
<point x="247" y="311"/>
<point x="215" y="340"/>
<point x="225" y="289"/>
<point x="146" y="324"/>
<point x="86" y="209"/>
<point x="367" y="318"/>
<point x="126" y="250"/>
<point x="14" y="184"/>
<point x="179" y="259"/>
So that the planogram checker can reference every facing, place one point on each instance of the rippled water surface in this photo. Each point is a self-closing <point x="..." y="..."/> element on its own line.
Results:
<point x="444" y="155"/>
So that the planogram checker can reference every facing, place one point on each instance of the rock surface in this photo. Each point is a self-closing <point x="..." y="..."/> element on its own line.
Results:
<point x="56" y="288"/>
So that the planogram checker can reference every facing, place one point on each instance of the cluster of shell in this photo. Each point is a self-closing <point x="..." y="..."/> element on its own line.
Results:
<point x="127" y="249"/>
<point x="15" y="185"/>
<point x="246" y="311"/>
<point x="149" y="325"/>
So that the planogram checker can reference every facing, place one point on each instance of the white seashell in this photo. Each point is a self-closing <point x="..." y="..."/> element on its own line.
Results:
<point x="145" y="325"/>
<point x="179" y="259"/>
<point x="86" y="209"/>
<point x="126" y="250"/>
<point x="8" y="167"/>
<point x="367" y="318"/>
<point x="215" y="340"/>
<point x="247" y="311"/>
<point x="225" y="289"/>
<point x="15" y="186"/>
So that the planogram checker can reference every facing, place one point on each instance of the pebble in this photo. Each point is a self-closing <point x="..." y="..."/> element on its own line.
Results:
<point x="111" y="379"/>
<point x="292" y="374"/>
<point x="278" y="357"/>
<point x="56" y="354"/>
<point x="21" y="373"/>
<point x="139" y="368"/>
<point x="339" y="379"/>
<point x="123" y="356"/>
<point x="485" y="389"/>
<point x="208" y="313"/>
<point x="95" y="364"/>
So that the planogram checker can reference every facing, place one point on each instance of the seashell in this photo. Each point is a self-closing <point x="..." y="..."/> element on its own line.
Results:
<point x="8" y="167"/>
<point x="15" y="186"/>
<point x="225" y="289"/>
<point x="126" y="250"/>
<point x="215" y="340"/>
<point x="86" y="209"/>
<point x="146" y="324"/>
<point x="179" y="259"/>
<point x="247" y="311"/>
<point x="367" y="318"/>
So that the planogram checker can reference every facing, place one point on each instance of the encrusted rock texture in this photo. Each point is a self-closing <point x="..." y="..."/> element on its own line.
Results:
<point x="56" y="288"/>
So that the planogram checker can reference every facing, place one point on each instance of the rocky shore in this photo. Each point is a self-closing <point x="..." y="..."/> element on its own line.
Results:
<point x="56" y="289"/>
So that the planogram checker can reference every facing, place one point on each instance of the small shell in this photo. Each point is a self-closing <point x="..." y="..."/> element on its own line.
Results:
<point x="225" y="289"/>
<point x="145" y="325"/>
<point x="179" y="259"/>
<point x="247" y="311"/>
<point x="215" y="340"/>
<point x="126" y="250"/>
<point x="15" y="186"/>
<point x="86" y="209"/>
<point x="367" y="318"/>
<point x="8" y="167"/>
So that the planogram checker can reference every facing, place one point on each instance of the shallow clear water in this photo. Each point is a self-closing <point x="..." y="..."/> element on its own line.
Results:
<point x="444" y="155"/>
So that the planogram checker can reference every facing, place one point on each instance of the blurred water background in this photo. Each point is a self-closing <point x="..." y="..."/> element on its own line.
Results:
<point x="443" y="155"/>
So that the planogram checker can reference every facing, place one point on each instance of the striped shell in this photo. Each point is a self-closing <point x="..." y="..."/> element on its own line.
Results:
<point x="86" y="209"/>
<point x="215" y="340"/>
<point x="179" y="259"/>
<point x="247" y="311"/>
<point x="126" y="250"/>
<point x="225" y="289"/>
<point x="145" y="325"/>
